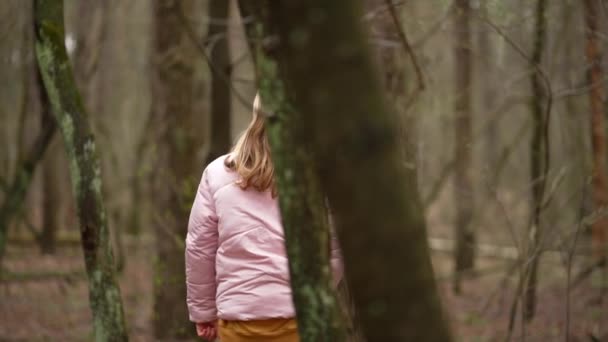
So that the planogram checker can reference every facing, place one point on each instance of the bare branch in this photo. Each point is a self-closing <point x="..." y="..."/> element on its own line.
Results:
<point x="406" y="45"/>
<point x="178" y="11"/>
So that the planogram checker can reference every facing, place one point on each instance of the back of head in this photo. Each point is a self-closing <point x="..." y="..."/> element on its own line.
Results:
<point x="250" y="156"/>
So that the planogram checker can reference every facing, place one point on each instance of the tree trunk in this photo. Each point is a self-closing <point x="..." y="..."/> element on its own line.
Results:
<point x="486" y="69"/>
<point x="50" y="182"/>
<point x="463" y="178"/>
<point x="17" y="190"/>
<point x="220" y="88"/>
<point x="301" y="199"/>
<point x="104" y="293"/>
<point x="178" y="141"/>
<point x="538" y="171"/>
<point x="391" y="62"/>
<point x="595" y="77"/>
<point x="325" y="60"/>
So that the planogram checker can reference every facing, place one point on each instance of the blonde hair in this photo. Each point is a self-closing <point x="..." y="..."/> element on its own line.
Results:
<point x="250" y="156"/>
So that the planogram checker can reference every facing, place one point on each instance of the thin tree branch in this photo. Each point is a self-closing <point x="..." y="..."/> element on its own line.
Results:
<point x="537" y="68"/>
<point x="569" y="260"/>
<point x="405" y="43"/>
<point x="178" y="11"/>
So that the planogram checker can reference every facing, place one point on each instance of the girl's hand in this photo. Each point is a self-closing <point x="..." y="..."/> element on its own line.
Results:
<point x="207" y="331"/>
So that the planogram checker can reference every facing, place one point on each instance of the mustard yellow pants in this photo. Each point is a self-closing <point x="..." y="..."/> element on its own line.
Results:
<point x="268" y="330"/>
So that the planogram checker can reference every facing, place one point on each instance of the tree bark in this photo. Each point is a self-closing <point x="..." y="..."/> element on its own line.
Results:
<point x="50" y="185"/>
<point x="17" y="190"/>
<point x="326" y="63"/>
<point x="538" y="171"/>
<point x="220" y="90"/>
<point x="104" y="293"/>
<point x="487" y="88"/>
<point x="463" y="178"/>
<point x="595" y="78"/>
<point x="301" y="199"/>
<point x="179" y="139"/>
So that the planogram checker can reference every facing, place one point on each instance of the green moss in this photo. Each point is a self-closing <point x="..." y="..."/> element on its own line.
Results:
<point x="302" y="208"/>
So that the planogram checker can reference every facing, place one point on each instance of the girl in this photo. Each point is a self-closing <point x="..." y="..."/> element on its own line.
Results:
<point x="236" y="265"/>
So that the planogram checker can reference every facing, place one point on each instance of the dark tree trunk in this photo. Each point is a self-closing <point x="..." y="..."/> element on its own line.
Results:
<point x="463" y="178"/>
<point x="325" y="61"/>
<point x="104" y="293"/>
<point x="50" y="184"/>
<point x="487" y="87"/>
<point x="301" y="199"/>
<point x="220" y="88"/>
<point x="538" y="171"/>
<point x="178" y="140"/>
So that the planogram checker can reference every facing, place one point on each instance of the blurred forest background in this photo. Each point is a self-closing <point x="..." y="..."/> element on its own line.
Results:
<point x="503" y="104"/>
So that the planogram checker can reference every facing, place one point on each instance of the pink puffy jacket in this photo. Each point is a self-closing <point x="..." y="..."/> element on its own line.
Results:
<point x="236" y="264"/>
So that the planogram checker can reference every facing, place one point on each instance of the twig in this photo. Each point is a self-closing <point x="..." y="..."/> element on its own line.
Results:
<point x="502" y="285"/>
<point x="496" y="115"/>
<point x="506" y="215"/>
<point x="37" y="236"/>
<point x="541" y="73"/>
<point x="586" y="272"/>
<point x="472" y="273"/>
<point x="438" y="185"/>
<point x="380" y="9"/>
<point x="578" y="91"/>
<point x="405" y="43"/>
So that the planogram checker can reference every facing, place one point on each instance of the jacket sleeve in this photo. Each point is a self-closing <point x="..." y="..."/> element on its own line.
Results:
<point x="201" y="248"/>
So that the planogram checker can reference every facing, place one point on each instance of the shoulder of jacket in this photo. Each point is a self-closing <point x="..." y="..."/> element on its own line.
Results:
<point x="217" y="174"/>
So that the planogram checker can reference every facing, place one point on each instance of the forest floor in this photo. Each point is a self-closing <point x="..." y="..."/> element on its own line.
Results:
<point x="45" y="298"/>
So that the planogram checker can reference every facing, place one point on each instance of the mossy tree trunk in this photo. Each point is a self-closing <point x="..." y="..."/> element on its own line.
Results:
<point x="538" y="169"/>
<point x="463" y="178"/>
<point x="339" y="107"/>
<point x="179" y="137"/>
<point x="301" y="199"/>
<point x="220" y="88"/>
<point x="104" y="293"/>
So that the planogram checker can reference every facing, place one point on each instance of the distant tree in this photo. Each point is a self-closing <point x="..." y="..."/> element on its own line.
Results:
<point x="104" y="293"/>
<point x="538" y="164"/>
<point x="325" y="63"/>
<point x="51" y="191"/>
<point x="178" y="165"/>
<point x="486" y="86"/>
<point x="17" y="189"/>
<point x="597" y="93"/>
<point x="463" y="178"/>
<point x="217" y="39"/>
